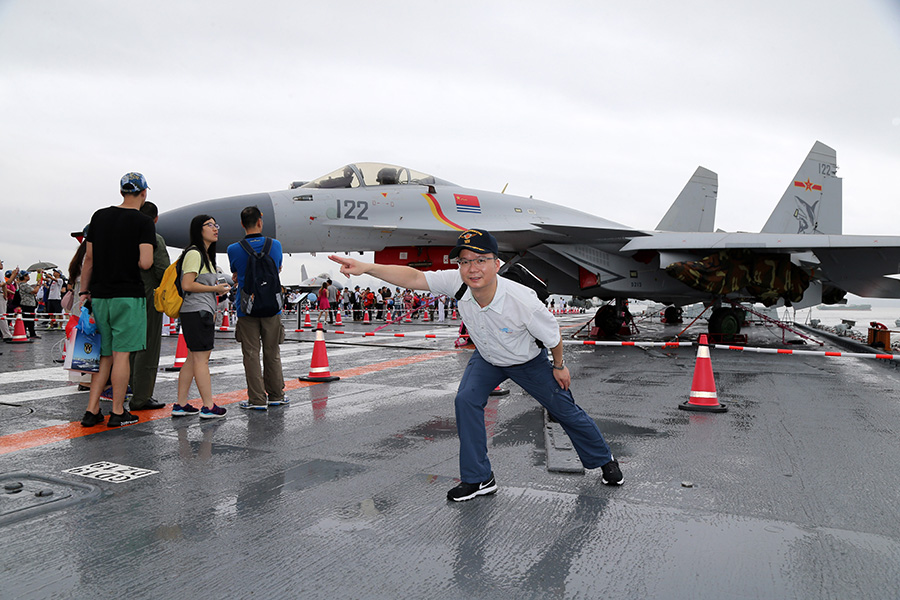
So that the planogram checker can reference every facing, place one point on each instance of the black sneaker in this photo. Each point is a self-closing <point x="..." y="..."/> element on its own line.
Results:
<point x="90" y="419"/>
<point x="467" y="491"/>
<point x="126" y="418"/>
<point x="612" y="474"/>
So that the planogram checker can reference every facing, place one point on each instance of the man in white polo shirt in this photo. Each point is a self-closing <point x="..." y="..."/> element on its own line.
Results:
<point x="505" y="320"/>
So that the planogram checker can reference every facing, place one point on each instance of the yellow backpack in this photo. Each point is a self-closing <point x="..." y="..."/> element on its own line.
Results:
<point x="169" y="296"/>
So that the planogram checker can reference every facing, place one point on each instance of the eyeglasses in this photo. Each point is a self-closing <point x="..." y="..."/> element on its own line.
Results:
<point x="213" y="225"/>
<point x="481" y="261"/>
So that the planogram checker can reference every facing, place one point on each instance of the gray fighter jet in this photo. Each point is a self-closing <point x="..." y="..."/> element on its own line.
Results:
<point x="411" y="218"/>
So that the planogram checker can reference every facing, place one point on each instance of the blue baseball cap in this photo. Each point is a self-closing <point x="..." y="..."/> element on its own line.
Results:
<point x="133" y="183"/>
<point x="478" y="241"/>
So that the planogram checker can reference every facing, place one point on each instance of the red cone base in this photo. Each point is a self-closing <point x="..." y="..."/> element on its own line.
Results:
<point x="318" y="366"/>
<point x="19" y="335"/>
<point x="498" y="391"/>
<point x="703" y="388"/>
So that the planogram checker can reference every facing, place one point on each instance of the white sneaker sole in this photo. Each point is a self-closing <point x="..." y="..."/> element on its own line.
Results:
<point x="481" y="492"/>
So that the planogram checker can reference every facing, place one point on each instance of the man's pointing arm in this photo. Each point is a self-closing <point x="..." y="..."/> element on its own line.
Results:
<point x="400" y="275"/>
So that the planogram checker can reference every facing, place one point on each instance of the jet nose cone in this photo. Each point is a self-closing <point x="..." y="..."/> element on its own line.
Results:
<point x="174" y="224"/>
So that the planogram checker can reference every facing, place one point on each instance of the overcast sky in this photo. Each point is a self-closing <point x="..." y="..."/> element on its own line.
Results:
<point x="607" y="107"/>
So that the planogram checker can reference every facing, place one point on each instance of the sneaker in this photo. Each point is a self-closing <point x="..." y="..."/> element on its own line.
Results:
<point x="90" y="419"/>
<point x="612" y="475"/>
<point x="126" y="418"/>
<point x="245" y="404"/>
<point x="216" y="412"/>
<point x="185" y="410"/>
<point x="467" y="491"/>
<point x="279" y="402"/>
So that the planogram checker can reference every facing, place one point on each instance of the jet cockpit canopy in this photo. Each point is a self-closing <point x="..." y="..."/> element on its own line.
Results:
<point x="369" y="174"/>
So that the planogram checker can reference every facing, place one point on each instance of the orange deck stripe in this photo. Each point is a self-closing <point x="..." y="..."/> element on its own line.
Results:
<point x="69" y="431"/>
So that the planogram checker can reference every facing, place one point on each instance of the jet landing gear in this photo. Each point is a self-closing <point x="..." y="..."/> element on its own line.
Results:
<point x="726" y="321"/>
<point x="612" y="320"/>
<point x="672" y="315"/>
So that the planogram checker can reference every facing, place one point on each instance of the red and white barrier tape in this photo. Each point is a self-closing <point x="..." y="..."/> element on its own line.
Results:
<point x="639" y="344"/>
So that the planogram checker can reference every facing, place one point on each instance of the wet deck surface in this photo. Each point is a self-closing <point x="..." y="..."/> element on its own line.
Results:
<point x="793" y="491"/>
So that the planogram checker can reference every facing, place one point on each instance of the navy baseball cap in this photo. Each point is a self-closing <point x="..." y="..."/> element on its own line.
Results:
<point x="133" y="183"/>
<point x="476" y="240"/>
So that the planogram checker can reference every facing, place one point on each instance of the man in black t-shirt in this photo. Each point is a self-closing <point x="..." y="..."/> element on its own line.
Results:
<point x="120" y="243"/>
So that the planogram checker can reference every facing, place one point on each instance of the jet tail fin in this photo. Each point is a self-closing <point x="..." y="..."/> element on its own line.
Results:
<point x="813" y="201"/>
<point x="303" y="276"/>
<point x="695" y="207"/>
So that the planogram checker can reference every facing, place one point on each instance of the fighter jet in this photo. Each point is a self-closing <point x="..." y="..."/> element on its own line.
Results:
<point x="312" y="284"/>
<point x="412" y="218"/>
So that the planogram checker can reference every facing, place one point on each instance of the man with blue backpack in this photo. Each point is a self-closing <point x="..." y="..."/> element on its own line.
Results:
<point x="256" y="263"/>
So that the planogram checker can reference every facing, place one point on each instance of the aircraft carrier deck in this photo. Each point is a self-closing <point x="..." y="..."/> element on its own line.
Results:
<point x="792" y="493"/>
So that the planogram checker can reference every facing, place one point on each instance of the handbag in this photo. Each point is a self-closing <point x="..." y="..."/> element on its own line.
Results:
<point x="83" y="346"/>
<point x="67" y="301"/>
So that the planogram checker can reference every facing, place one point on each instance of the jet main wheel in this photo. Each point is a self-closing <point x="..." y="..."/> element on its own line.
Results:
<point x="726" y="321"/>
<point x="608" y="321"/>
<point x="672" y="315"/>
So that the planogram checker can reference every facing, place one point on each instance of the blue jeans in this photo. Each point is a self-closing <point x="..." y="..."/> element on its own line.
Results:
<point x="536" y="378"/>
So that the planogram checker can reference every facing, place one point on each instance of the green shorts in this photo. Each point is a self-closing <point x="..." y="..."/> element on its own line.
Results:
<point x="122" y="323"/>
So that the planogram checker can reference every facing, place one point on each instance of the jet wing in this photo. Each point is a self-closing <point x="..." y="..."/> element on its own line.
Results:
<point x="855" y="263"/>
<point x="771" y="242"/>
<point x="580" y="234"/>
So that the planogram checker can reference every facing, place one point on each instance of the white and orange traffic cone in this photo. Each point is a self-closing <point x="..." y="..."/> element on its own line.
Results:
<point x="224" y="326"/>
<point x="318" y="367"/>
<point x="426" y="317"/>
<point x="453" y="316"/>
<point x="19" y="335"/>
<point x="338" y="321"/>
<point x="181" y="352"/>
<point x="366" y="320"/>
<point x="408" y="318"/>
<point x="307" y="323"/>
<point x="703" y="388"/>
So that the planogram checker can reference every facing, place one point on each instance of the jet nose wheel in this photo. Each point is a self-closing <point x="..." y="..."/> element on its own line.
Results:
<point x="726" y="321"/>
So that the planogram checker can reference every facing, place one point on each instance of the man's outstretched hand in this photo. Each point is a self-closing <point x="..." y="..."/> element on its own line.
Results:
<point x="349" y="266"/>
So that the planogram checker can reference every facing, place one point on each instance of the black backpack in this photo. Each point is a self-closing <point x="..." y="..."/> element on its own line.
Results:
<point x="261" y="294"/>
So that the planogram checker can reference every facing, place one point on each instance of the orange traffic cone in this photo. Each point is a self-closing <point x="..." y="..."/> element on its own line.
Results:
<point x="426" y="317"/>
<point x="338" y="320"/>
<point x="366" y="320"/>
<point x="181" y="352"/>
<point x="19" y="335"/>
<point x="453" y="316"/>
<point x="318" y="367"/>
<point x="307" y="324"/>
<point x="224" y="325"/>
<point x="408" y="318"/>
<point x="703" y="389"/>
